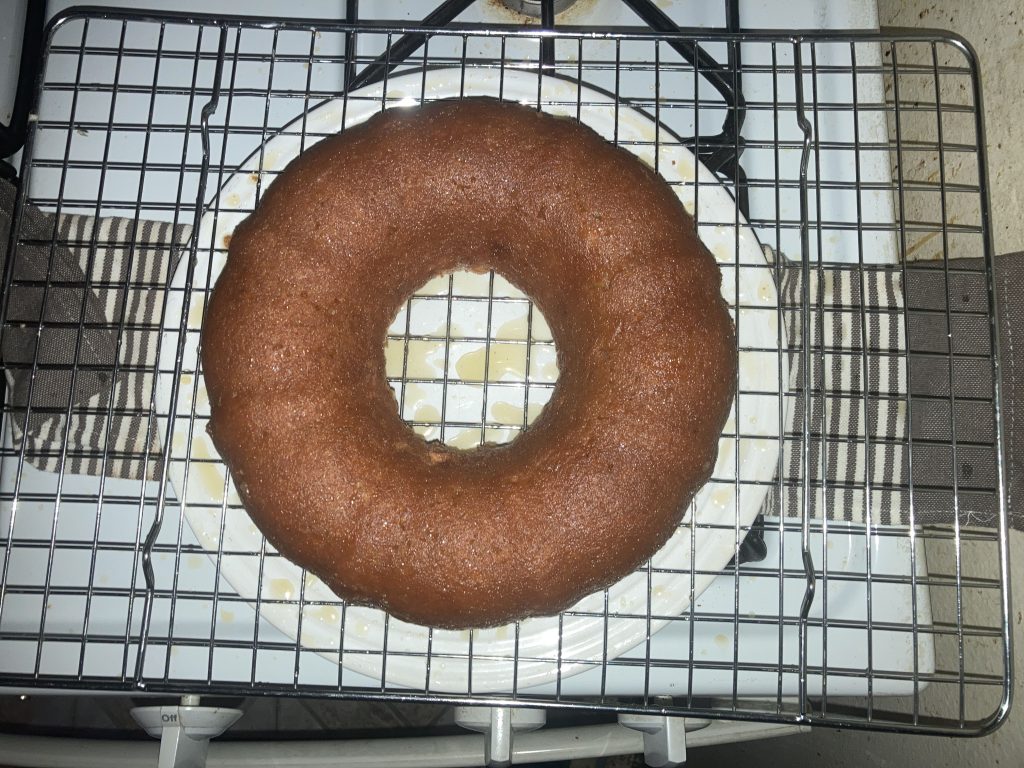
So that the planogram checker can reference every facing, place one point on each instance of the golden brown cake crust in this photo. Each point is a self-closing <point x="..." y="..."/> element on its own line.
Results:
<point x="293" y="355"/>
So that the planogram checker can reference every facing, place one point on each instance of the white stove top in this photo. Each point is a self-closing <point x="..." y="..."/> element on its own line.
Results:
<point x="756" y="14"/>
<point x="772" y="216"/>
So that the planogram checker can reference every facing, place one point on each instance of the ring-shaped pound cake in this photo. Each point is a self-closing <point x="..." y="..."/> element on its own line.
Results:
<point x="304" y="418"/>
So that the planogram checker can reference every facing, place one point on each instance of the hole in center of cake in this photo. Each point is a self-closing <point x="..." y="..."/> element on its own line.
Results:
<point x="471" y="360"/>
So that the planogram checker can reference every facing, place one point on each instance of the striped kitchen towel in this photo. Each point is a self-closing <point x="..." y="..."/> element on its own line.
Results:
<point x="901" y="376"/>
<point x="87" y="365"/>
<point x="857" y="454"/>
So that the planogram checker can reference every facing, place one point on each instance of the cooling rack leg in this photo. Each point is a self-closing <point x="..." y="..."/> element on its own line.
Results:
<point x="184" y="730"/>
<point x="664" y="737"/>
<point x="498" y="724"/>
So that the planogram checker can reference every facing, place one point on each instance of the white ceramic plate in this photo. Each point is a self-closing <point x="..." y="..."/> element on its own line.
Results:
<point x="602" y="626"/>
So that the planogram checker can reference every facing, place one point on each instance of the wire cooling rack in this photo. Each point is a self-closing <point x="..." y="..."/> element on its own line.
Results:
<point x="883" y="599"/>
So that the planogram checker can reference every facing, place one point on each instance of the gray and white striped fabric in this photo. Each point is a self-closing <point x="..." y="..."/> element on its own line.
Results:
<point x="126" y="264"/>
<point x="857" y="449"/>
<point x="857" y="454"/>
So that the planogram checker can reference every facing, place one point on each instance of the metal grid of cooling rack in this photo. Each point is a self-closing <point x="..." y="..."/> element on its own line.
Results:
<point x="894" y="622"/>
